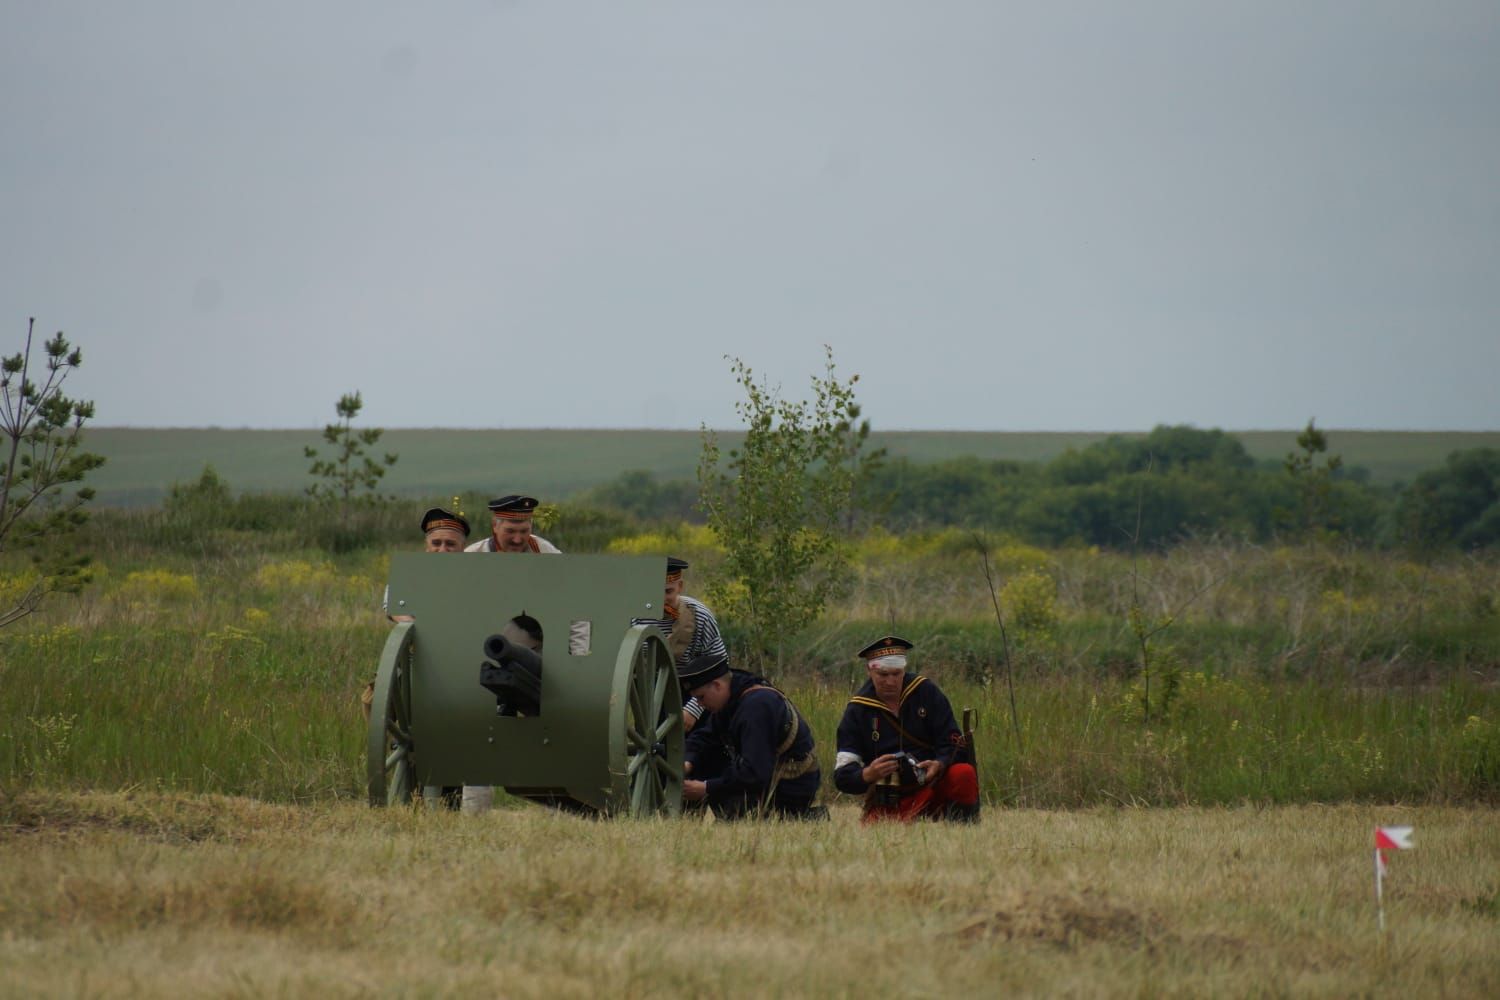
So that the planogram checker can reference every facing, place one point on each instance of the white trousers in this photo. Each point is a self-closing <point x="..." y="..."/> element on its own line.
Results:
<point x="478" y="799"/>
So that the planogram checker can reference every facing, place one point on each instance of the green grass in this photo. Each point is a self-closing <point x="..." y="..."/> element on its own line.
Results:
<point x="269" y="709"/>
<point x="435" y="464"/>
<point x="1286" y="675"/>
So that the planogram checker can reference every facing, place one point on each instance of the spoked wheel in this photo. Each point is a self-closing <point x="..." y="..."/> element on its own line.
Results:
<point x="646" y="728"/>
<point x="388" y="757"/>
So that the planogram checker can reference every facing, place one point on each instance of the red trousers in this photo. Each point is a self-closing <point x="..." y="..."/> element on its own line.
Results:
<point x="959" y="784"/>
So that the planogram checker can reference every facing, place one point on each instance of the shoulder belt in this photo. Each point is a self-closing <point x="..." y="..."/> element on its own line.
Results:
<point x="906" y="737"/>
<point x="684" y="629"/>
<point x="794" y="767"/>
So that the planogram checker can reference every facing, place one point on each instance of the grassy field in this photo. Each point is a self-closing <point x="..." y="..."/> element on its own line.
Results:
<point x="182" y="778"/>
<point x="1285" y="676"/>
<point x="143" y="462"/>
<point x="143" y="894"/>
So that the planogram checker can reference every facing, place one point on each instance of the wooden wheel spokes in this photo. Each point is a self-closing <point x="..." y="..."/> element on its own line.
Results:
<point x="637" y="761"/>
<point x="640" y="691"/>
<point x="647" y="727"/>
<point x="645" y="795"/>
<point x="664" y="674"/>
<point x="638" y="721"/>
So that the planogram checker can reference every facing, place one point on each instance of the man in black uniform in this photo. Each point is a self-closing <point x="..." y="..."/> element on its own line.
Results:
<point x="895" y="718"/>
<point x="752" y="755"/>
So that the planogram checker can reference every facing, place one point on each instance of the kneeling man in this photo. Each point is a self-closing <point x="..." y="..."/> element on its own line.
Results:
<point x="896" y="716"/>
<point x="752" y="755"/>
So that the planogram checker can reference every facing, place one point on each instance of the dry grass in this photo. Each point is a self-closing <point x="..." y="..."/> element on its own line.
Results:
<point x="131" y="895"/>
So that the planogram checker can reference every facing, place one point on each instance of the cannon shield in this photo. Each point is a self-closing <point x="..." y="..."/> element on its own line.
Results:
<point x="607" y="732"/>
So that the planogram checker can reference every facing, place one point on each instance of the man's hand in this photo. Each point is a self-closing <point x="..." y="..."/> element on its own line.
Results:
<point x="694" y="791"/>
<point x="879" y="768"/>
<point x="932" y="768"/>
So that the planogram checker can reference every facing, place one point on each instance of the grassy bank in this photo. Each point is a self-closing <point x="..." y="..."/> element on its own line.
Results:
<point x="115" y="895"/>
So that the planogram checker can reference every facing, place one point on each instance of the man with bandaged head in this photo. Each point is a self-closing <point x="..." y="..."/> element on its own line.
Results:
<point x="898" y="744"/>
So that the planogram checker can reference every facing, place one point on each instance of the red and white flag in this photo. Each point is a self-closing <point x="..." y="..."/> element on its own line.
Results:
<point x="1389" y="838"/>
<point x="1393" y="838"/>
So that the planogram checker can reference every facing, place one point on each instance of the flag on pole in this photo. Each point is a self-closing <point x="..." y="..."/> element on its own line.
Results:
<point x="1393" y="838"/>
<point x="1387" y="838"/>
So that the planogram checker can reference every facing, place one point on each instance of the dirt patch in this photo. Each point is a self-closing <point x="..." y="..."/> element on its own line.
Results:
<point x="258" y="901"/>
<point x="1062" y="919"/>
<point x="173" y="819"/>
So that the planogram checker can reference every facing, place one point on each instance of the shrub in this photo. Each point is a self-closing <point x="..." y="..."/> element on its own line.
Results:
<point x="1030" y="603"/>
<point x="159" y="586"/>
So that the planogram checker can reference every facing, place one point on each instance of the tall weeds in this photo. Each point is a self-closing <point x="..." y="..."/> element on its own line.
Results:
<point x="1305" y="675"/>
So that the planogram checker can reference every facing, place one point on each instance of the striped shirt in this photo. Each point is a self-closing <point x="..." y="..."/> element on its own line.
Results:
<point x="706" y="639"/>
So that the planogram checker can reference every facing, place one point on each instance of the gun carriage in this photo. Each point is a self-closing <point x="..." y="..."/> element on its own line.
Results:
<point x="605" y="733"/>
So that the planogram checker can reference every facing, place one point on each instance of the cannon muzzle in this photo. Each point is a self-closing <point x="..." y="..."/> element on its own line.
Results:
<point x="513" y="674"/>
<point x="503" y="650"/>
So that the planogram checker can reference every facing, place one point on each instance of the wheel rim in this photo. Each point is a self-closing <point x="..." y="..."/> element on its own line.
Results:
<point x="398" y="761"/>
<point x="390" y="766"/>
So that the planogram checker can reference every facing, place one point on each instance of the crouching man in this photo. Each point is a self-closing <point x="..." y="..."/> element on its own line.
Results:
<point x="898" y="741"/>
<point x="752" y="754"/>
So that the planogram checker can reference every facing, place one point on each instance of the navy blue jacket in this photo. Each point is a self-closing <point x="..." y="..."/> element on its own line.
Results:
<point x="734" y="749"/>
<point x="924" y="728"/>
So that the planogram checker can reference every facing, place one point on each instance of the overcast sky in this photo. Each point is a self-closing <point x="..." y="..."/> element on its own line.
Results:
<point x="1056" y="216"/>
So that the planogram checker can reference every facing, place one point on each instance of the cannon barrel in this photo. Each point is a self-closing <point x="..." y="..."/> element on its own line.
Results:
<point x="514" y="678"/>
<point x="502" y="650"/>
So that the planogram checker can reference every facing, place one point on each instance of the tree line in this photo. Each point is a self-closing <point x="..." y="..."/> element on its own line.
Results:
<point x="1175" y="483"/>
<point x="783" y="504"/>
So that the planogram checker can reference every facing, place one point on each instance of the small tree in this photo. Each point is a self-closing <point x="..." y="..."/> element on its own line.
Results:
<point x="778" y="503"/>
<point x="40" y="433"/>
<point x="350" y="471"/>
<point x="1313" y="481"/>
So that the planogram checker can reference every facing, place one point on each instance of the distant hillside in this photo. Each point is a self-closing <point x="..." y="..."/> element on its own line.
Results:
<point x="143" y="463"/>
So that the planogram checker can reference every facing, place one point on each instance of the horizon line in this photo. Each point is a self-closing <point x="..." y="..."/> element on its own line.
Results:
<point x="737" y="430"/>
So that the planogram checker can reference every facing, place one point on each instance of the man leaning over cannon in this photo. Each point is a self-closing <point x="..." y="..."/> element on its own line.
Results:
<point x="899" y="746"/>
<point x="510" y="531"/>
<point x="752" y="755"/>
<point x="691" y="631"/>
<point x="510" y="528"/>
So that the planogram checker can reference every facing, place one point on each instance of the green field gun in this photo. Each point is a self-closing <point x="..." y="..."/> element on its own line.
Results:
<point x="591" y="721"/>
